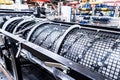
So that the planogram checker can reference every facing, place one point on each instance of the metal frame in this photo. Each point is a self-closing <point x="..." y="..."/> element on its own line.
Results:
<point x="77" y="71"/>
<point x="10" y="21"/>
<point x="10" y="11"/>
<point x="35" y="27"/>
<point x="64" y="35"/>
<point x="14" y="62"/>
<point x="22" y="22"/>
<point x="90" y="26"/>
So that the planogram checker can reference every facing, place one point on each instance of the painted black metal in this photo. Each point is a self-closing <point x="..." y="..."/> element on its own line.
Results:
<point x="78" y="47"/>
<point x="33" y="29"/>
<point x="73" y="53"/>
<point x="11" y="63"/>
<point x="10" y="11"/>
<point x="41" y="35"/>
<point x="39" y="52"/>
<point x="64" y="36"/>
<point x="17" y="69"/>
<point x="23" y="24"/>
<point x="8" y="23"/>
<point x="90" y="26"/>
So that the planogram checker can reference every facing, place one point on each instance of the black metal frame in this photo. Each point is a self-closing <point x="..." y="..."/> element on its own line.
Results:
<point x="77" y="71"/>
<point x="90" y="26"/>
<point x="12" y="64"/>
<point x="13" y="11"/>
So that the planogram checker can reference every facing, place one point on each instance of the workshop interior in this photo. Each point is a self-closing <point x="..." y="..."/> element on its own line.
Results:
<point x="59" y="39"/>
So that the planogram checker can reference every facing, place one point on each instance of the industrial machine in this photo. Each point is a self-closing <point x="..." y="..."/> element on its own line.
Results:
<point x="58" y="50"/>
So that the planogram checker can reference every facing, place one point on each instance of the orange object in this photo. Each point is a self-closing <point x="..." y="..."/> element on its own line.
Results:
<point x="40" y="0"/>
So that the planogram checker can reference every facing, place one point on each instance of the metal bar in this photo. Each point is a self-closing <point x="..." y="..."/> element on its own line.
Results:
<point x="6" y="11"/>
<point x="88" y="25"/>
<point x="64" y="35"/>
<point x="28" y="28"/>
<point x="15" y="64"/>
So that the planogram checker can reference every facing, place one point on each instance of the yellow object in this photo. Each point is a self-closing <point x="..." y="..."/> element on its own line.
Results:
<point x="8" y="2"/>
<point x="97" y="2"/>
<point x="104" y="9"/>
<point x="2" y="1"/>
<point x="84" y="9"/>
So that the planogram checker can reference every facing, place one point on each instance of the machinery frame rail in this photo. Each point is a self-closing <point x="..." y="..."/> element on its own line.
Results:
<point x="75" y="69"/>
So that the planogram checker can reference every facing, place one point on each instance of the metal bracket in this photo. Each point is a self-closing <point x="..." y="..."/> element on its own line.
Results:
<point x="19" y="48"/>
<point x="57" y="65"/>
<point x="61" y="75"/>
